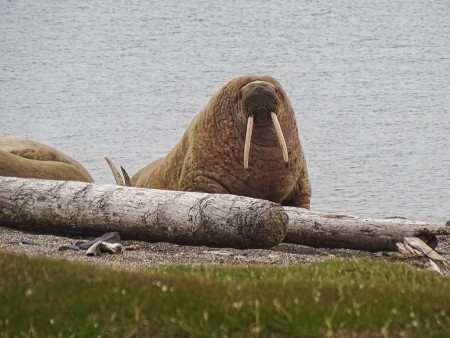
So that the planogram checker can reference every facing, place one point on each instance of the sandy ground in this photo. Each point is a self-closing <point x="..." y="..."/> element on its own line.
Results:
<point x="158" y="254"/>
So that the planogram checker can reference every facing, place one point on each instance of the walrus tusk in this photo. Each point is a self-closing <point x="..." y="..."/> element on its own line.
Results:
<point x="280" y="136"/>
<point x="248" y="140"/>
<point x="126" y="177"/>
<point x="116" y="174"/>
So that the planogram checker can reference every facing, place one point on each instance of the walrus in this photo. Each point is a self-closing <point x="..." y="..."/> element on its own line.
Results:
<point x="20" y="157"/>
<point x="244" y="142"/>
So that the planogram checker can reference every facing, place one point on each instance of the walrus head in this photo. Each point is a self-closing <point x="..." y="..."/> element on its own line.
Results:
<point x="260" y="104"/>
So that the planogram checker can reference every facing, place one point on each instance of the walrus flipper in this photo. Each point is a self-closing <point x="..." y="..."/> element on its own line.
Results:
<point x="301" y="196"/>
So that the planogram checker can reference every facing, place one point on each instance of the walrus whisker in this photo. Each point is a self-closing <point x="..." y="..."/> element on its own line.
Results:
<point x="115" y="172"/>
<point x="248" y="140"/>
<point x="280" y="136"/>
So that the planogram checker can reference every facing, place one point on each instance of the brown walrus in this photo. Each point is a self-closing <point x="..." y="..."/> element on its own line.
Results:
<point x="21" y="157"/>
<point x="244" y="142"/>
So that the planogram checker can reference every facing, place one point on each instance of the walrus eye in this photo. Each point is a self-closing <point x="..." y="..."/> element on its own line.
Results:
<point x="238" y="97"/>
<point x="248" y="140"/>
<point x="280" y="136"/>
<point x="279" y="93"/>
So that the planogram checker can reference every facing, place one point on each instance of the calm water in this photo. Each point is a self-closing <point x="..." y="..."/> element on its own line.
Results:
<point x="369" y="80"/>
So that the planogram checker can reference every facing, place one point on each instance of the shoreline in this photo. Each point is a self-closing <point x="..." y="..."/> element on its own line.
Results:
<point x="162" y="254"/>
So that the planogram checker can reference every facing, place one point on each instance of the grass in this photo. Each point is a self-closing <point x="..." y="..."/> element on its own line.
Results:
<point x="341" y="298"/>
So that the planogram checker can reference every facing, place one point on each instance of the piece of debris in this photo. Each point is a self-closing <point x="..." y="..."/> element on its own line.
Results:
<point x="415" y="247"/>
<point x="109" y="237"/>
<point x="433" y="266"/>
<point x="407" y="251"/>
<point x="103" y="247"/>
<point x="69" y="247"/>
<point x="420" y="246"/>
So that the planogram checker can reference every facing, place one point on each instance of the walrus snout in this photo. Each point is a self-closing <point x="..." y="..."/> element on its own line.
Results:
<point x="260" y="101"/>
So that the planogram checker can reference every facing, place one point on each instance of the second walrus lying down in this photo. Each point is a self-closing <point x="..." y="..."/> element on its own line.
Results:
<point x="20" y="157"/>
<point x="244" y="142"/>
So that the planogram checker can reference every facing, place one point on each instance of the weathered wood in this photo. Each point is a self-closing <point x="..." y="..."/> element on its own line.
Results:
<point x="414" y="244"/>
<point x="193" y="218"/>
<point x="342" y="231"/>
<point x="413" y="247"/>
<point x="76" y="208"/>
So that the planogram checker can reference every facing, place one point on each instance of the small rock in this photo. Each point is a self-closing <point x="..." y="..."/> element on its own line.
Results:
<point x="68" y="247"/>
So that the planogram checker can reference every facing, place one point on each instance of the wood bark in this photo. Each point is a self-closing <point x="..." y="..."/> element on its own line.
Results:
<point x="326" y="230"/>
<point x="76" y="208"/>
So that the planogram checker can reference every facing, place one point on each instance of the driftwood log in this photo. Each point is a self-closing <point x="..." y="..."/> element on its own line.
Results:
<point x="75" y="208"/>
<point x="327" y="230"/>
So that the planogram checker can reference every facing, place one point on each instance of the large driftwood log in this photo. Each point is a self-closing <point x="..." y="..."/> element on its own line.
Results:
<point x="76" y="208"/>
<point x="193" y="218"/>
<point x="326" y="230"/>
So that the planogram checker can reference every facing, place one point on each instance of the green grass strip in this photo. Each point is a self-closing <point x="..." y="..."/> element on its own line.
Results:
<point x="342" y="298"/>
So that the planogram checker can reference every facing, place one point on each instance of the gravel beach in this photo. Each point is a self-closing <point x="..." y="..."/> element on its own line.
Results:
<point x="160" y="254"/>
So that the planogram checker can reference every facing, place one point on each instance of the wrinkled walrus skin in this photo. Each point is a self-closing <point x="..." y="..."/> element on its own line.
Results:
<point x="210" y="155"/>
<point x="20" y="157"/>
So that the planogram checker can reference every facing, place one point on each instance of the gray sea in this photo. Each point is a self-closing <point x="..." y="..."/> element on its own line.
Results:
<point x="369" y="81"/>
